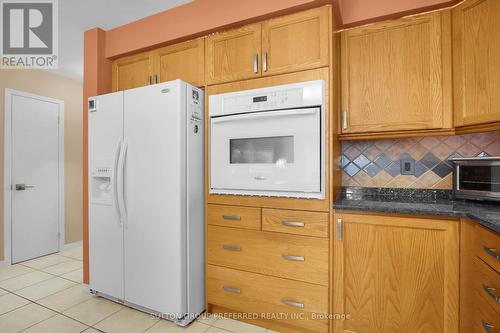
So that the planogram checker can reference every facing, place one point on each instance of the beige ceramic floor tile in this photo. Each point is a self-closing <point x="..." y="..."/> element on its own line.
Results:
<point x="91" y="330"/>
<point x="216" y="330"/>
<point x="66" y="298"/>
<point x="64" y="267"/>
<point x="165" y="326"/>
<point x="127" y="320"/>
<point x="93" y="311"/>
<point x="75" y="253"/>
<point x="10" y="272"/>
<point x="75" y="276"/>
<point x="44" y="262"/>
<point x="10" y="302"/>
<point x="45" y="288"/>
<point x="57" y="323"/>
<point x="238" y="326"/>
<point x="24" y="317"/>
<point x="208" y="319"/>
<point x="25" y="280"/>
<point x="3" y="292"/>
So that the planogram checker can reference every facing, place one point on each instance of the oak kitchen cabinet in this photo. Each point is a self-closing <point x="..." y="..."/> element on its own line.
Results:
<point x="285" y="44"/>
<point x="179" y="61"/>
<point x="479" y="279"/>
<point x="185" y="61"/>
<point x="476" y="62"/>
<point x="395" y="274"/>
<point x="132" y="71"/>
<point x="396" y="75"/>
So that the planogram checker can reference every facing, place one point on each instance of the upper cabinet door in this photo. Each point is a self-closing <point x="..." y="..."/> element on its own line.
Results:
<point x="131" y="72"/>
<point x="233" y="55"/>
<point x="396" y="75"/>
<point x="296" y="42"/>
<point x="476" y="61"/>
<point x="185" y="61"/>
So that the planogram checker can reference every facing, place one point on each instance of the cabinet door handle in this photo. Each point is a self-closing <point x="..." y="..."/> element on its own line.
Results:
<point x="487" y="326"/>
<point x="293" y="224"/>
<point x="294" y="304"/>
<point x="231" y="217"/>
<point x="256" y="63"/>
<point x="339" y="229"/>
<point x="155" y="79"/>
<point x="344" y="120"/>
<point x="293" y="258"/>
<point x="264" y="62"/>
<point x="492" y="252"/>
<point x="231" y="248"/>
<point x="150" y="78"/>
<point x="232" y="290"/>
<point x="491" y="292"/>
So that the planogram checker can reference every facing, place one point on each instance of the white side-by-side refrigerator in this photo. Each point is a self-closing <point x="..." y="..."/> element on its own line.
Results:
<point x="146" y="199"/>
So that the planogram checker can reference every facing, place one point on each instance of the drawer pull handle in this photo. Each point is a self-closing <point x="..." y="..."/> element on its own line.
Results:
<point x="293" y="258"/>
<point x="231" y="217"/>
<point x="492" y="252"/>
<point x="232" y="290"/>
<point x="491" y="292"/>
<point x="231" y="248"/>
<point x="288" y="302"/>
<point x="487" y="326"/>
<point x="293" y="224"/>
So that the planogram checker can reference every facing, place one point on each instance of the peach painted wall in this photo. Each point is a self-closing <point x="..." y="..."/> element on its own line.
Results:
<point x="193" y="19"/>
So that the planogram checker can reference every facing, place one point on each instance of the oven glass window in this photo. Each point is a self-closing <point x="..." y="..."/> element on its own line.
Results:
<point x="479" y="178"/>
<point x="276" y="149"/>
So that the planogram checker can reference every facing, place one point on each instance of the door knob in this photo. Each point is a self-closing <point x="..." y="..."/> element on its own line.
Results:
<point x="23" y="187"/>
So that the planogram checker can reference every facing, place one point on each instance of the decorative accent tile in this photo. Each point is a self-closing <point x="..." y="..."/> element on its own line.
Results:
<point x="394" y="169"/>
<point x="372" y="169"/>
<point x="430" y="160"/>
<point x="376" y="163"/>
<point x="382" y="161"/>
<point x="351" y="169"/>
<point x="344" y="161"/>
<point x="483" y="154"/>
<point x="420" y="169"/>
<point x="443" y="169"/>
<point x="361" y="161"/>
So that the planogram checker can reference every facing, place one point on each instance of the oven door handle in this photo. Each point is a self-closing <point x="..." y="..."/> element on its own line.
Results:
<point x="264" y="114"/>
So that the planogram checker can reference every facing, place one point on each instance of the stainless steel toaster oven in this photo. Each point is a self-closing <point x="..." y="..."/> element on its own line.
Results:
<point x="477" y="178"/>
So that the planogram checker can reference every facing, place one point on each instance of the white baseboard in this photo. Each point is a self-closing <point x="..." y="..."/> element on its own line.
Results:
<point x="4" y="263"/>
<point x="70" y="246"/>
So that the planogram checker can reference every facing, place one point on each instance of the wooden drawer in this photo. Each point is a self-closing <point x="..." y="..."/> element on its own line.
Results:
<point x="487" y="283"/>
<point x="254" y="293"/>
<point x="487" y="247"/>
<point x="485" y="319"/>
<point x="233" y="216"/>
<point x="295" y="222"/>
<point x="289" y="256"/>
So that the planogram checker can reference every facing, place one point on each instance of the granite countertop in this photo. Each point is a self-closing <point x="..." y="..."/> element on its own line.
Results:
<point x="418" y="202"/>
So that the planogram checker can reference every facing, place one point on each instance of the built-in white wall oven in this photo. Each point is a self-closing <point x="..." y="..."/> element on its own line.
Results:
<point x="269" y="141"/>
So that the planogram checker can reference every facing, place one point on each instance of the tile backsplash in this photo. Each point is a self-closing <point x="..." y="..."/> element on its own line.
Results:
<point x="377" y="163"/>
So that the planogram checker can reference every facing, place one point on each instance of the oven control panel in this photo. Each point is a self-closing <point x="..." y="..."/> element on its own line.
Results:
<point x="290" y="96"/>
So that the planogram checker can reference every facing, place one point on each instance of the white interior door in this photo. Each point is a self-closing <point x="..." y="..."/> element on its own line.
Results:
<point x="35" y="171"/>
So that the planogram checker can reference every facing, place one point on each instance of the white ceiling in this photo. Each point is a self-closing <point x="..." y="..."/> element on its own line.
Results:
<point x="77" y="16"/>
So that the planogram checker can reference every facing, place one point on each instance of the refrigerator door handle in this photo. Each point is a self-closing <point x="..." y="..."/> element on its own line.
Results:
<point x="114" y="180"/>
<point x="120" y="182"/>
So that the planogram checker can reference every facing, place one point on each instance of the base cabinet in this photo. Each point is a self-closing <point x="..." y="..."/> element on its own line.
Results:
<point x="395" y="274"/>
<point x="479" y="279"/>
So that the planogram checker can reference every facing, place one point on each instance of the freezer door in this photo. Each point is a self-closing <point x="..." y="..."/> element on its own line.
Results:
<point x="155" y="197"/>
<point x="105" y="230"/>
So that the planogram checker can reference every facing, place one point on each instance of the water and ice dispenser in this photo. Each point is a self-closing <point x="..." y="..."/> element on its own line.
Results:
<point x="101" y="183"/>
